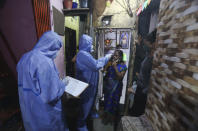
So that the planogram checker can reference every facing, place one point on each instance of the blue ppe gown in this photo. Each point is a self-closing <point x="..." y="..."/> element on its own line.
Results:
<point x="40" y="88"/>
<point x="87" y="70"/>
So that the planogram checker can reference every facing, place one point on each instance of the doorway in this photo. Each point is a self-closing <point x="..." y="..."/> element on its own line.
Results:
<point x="109" y="40"/>
<point x="70" y="105"/>
<point x="70" y="51"/>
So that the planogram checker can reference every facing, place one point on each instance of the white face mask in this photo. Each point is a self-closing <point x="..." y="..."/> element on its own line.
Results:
<point x="92" y="48"/>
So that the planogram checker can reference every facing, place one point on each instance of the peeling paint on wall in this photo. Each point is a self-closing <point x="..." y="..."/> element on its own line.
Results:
<point x="120" y="16"/>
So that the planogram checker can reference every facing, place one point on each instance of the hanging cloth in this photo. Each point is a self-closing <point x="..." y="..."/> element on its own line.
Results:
<point x="149" y="1"/>
<point x="139" y="10"/>
<point x="144" y="5"/>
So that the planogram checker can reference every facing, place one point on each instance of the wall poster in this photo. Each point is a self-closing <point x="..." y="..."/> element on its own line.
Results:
<point x="124" y="39"/>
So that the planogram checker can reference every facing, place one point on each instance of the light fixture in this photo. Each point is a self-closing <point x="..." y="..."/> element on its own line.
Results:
<point x="106" y="20"/>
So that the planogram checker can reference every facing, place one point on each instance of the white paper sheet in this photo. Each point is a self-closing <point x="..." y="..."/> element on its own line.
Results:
<point x="75" y="87"/>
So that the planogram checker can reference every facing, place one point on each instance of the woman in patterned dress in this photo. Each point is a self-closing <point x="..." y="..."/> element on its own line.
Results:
<point x="113" y="86"/>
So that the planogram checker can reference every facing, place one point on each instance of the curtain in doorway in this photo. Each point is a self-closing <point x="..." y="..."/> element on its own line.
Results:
<point x="17" y="31"/>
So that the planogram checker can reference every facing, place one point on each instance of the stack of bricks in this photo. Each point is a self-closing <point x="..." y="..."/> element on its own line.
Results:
<point x="173" y="93"/>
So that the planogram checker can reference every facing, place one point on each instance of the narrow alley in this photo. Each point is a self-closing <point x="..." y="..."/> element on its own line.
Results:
<point x="98" y="65"/>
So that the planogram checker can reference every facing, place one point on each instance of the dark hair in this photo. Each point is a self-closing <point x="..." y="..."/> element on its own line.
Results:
<point x="151" y="37"/>
<point x="120" y="52"/>
<point x="118" y="46"/>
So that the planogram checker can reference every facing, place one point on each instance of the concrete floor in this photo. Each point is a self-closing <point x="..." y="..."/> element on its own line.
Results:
<point x="98" y="126"/>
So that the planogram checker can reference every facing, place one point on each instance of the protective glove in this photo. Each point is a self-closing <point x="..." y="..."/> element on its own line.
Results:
<point x="108" y="56"/>
<point x="65" y="81"/>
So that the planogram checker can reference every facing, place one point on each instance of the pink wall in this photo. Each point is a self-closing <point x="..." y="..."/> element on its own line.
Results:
<point x="18" y="27"/>
<point x="59" y="61"/>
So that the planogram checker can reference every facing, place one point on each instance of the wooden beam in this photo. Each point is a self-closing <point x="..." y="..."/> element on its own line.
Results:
<point x="76" y="11"/>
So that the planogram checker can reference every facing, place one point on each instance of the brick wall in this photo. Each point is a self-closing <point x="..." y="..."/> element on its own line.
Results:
<point x="173" y="94"/>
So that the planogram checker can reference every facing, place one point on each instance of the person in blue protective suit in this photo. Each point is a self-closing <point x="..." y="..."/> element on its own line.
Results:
<point x="39" y="86"/>
<point x="87" y="70"/>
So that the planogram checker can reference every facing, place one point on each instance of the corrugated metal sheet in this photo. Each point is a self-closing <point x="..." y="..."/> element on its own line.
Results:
<point x="42" y="16"/>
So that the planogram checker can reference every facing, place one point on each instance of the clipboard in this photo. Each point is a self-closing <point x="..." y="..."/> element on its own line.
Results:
<point x="75" y="87"/>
